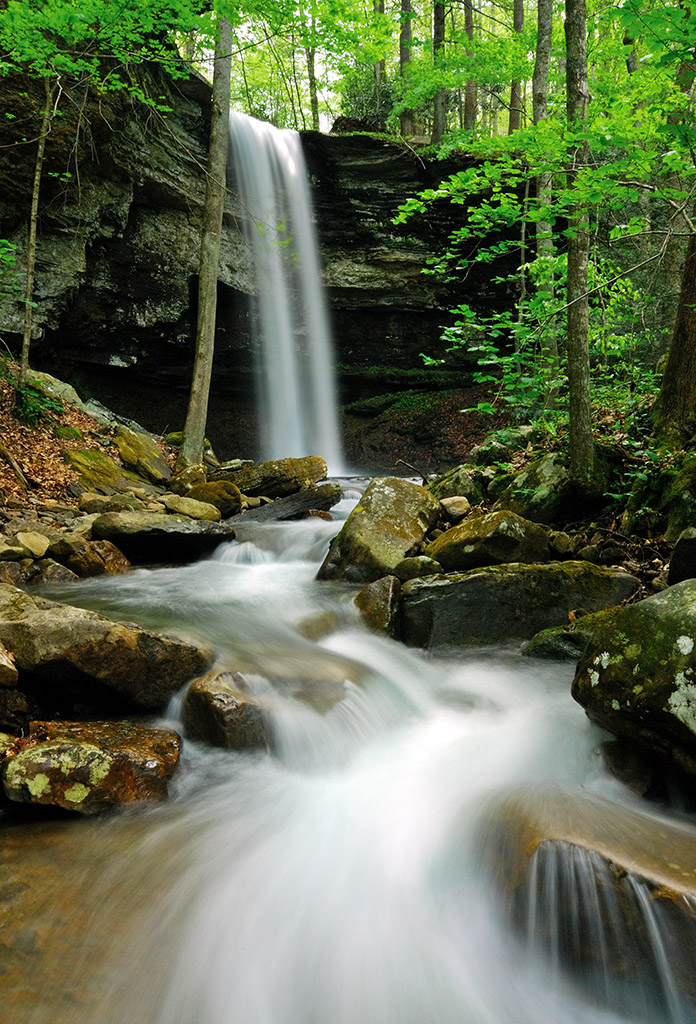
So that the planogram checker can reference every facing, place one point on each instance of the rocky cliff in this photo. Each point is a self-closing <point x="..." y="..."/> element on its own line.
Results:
<point x="116" y="284"/>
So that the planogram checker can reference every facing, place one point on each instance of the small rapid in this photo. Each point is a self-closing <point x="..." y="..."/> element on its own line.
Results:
<point x="346" y="877"/>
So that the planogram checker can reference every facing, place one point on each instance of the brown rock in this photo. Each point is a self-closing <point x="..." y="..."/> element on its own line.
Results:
<point x="379" y="605"/>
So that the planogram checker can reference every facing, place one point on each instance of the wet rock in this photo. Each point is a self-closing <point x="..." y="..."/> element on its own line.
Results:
<point x="459" y="482"/>
<point x="141" y="451"/>
<point x="77" y="554"/>
<point x="148" y="537"/>
<point x="389" y="523"/>
<point x="187" y="506"/>
<point x="561" y="643"/>
<point x="97" y="472"/>
<point x="309" y="499"/>
<point x="505" y="602"/>
<point x="490" y="540"/>
<point x="88" y="767"/>
<point x="274" y="479"/>
<point x="217" y="711"/>
<point x="221" y="493"/>
<point x="637" y="677"/>
<point x="682" y="565"/>
<point x="10" y="572"/>
<point x="79" y="655"/>
<point x="115" y="561"/>
<point x="379" y="605"/>
<point x="538" y="492"/>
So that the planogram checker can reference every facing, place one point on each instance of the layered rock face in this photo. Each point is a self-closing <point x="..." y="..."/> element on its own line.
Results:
<point x="117" y="271"/>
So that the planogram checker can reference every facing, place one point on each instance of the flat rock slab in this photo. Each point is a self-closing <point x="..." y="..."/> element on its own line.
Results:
<point x="89" y="766"/>
<point x="75" y="653"/>
<point x="505" y="602"/>
<point x="274" y="479"/>
<point x="294" y="506"/>
<point x="148" y="537"/>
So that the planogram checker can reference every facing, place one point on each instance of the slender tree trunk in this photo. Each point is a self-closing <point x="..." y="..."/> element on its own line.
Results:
<point x="380" y="67"/>
<point x="31" y="241"/>
<point x="310" y="54"/>
<point x="470" y="91"/>
<point x="405" y="40"/>
<point x="440" y="100"/>
<point x="676" y="408"/>
<point x="581" y="442"/>
<point x="191" y="452"/>
<point x="516" y="87"/>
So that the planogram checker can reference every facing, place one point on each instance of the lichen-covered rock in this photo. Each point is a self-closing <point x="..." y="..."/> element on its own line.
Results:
<point x="190" y="507"/>
<point x="538" y="492"/>
<point x="490" y="540"/>
<point x="148" y="537"/>
<point x="224" y="495"/>
<point x="460" y="482"/>
<point x="379" y="605"/>
<point x="79" y="655"/>
<point x="88" y="767"/>
<point x="217" y="711"/>
<point x="505" y="602"/>
<point x="389" y="523"/>
<point x="274" y="479"/>
<point x="637" y="677"/>
<point x="184" y="479"/>
<point x="141" y="451"/>
<point x="97" y="472"/>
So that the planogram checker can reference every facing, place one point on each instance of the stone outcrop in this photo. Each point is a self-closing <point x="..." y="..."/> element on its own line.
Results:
<point x="142" y="453"/>
<point x="505" y="602"/>
<point x="637" y="677"/>
<point x="389" y="523"/>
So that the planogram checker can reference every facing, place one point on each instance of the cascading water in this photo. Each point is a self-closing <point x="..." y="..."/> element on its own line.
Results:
<point x="346" y="877"/>
<point x="293" y="343"/>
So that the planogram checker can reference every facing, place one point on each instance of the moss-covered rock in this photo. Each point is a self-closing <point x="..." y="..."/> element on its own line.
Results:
<point x="490" y="540"/>
<point x="142" y="452"/>
<point x="538" y="492"/>
<point x="637" y="677"/>
<point x="274" y="479"/>
<point x="389" y="523"/>
<point x="97" y="472"/>
<point x="187" y="506"/>
<point x="224" y="495"/>
<point x="561" y="643"/>
<point x="462" y="481"/>
<point x="505" y="602"/>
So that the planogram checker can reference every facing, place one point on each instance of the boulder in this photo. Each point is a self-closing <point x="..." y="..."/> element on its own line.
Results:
<point x="77" y="655"/>
<point x="115" y="561"/>
<point x="221" y="493"/>
<point x="97" y="472"/>
<point x="505" y="602"/>
<point x="389" y="523"/>
<point x="460" y="482"/>
<point x="490" y="540"/>
<point x="77" y="554"/>
<point x="49" y="572"/>
<point x="637" y="677"/>
<point x="187" y="506"/>
<point x="35" y="543"/>
<point x="184" y="479"/>
<point x="142" y="452"/>
<point x="455" y="508"/>
<point x="415" y="567"/>
<point x="311" y="498"/>
<point x="562" y="643"/>
<point x="90" y="502"/>
<point x="274" y="479"/>
<point x="148" y="537"/>
<point x="379" y="605"/>
<point x="538" y="492"/>
<point x="682" y="564"/>
<point x="88" y="767"/>
<point x="217" y="711"/>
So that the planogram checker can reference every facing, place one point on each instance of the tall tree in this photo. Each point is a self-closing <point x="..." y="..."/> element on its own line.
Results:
<point x="405" y="42"/>
<point x="191" y="452"/>
<point x="581" y="443"/>
<point x="470" y="90"/>
<point x="516" y="86"/>
<point x="440" y="99"/>
<point x="676" y="407"/>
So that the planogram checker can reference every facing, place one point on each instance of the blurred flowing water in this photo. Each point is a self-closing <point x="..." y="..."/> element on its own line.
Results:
<point x="343" y="878"/>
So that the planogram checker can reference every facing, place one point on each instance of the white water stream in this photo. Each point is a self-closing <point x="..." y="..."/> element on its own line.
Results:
<point x="291" y="326"/>
<point x="344" y="878"/>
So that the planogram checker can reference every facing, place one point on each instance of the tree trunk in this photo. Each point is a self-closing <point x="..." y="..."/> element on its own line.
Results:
<point x="581" y="443"/>
<point x="405" y="39"/>
<point x="31" y="241"/>
<point x="676" y="408"/>
<point x="310" y="54"/>
<point x="440" y="100"/>
<point x="191" y="452"/>
<point x="380" y="67"/>
<point x="470" y="92"/>
<point x="516" y="87"/>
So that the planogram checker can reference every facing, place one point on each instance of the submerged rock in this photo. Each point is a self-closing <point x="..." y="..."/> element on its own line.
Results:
<point x="505" y="602"/>
<point x="637" y="677"/>
<point x="73" y="654"/>
<point x="490" y="540"/>
<point x="90" y="766"/>
<point x="388" y="524"/>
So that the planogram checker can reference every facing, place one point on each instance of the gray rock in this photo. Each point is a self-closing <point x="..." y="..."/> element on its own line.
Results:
<point x="505" y="602"/>
<point x="294" y="506"/>
<point x="389" y="523"/>
<point x="490" y="540"/>
<point x="458" y="482"/>
<point x="147" y="537"/>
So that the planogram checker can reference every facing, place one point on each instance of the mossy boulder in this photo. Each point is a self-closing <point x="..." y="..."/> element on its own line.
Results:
<point x="505" y="602"/>
<point x="490" y="540"/>
<point x="225" y="496"/>
<point x="274" y="479"/>
<point x="562" y="643"/>
<point x="538" y="492"/>
<point x="88" y="767"/>
<point x="637" y="677"/>
<point x="142" y="452"/>
<point x="460" y="482"/>
<point x="389" y="523"/>
<point x="97" y="472"/>
<point x="187" y="506"/>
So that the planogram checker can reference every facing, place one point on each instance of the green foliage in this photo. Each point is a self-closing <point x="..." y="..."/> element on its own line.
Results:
<point x="32" y="405"/>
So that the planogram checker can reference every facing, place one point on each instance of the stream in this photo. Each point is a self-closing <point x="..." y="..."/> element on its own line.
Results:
<point x="343" y="878"/>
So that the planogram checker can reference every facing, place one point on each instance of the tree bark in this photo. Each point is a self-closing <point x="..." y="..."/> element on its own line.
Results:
<point x="33" y="231"/>
<point x="380" y="67"/>
<point x="440" y="99"/>
<point x="516" y="87"/>
<point x="191" y="452"/>
<point x="581" y="443"/>
<point x="405" y="39"/>
<point x="470" y="91"/>
<point x="676" y="407"/>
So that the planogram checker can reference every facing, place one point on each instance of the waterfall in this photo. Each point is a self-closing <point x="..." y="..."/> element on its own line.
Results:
<point x="297" y="392"/>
